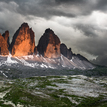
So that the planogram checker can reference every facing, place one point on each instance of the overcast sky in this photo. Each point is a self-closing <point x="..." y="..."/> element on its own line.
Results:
<point x="80" y="24"/>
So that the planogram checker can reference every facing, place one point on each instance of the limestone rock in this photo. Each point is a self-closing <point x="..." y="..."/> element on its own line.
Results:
<point x="35" y="50"/>
<point x="69" y="53"/>
<point x="3" y="46"/>
<point x="23" y="42"/>
<point x="6" y="37"/>
<point x="49" y="45"/>
<point x="65" y="51"/>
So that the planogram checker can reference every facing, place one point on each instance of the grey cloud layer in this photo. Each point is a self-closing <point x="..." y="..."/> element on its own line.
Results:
<point x="87" y="30"/>
<point x="48" y="8"/>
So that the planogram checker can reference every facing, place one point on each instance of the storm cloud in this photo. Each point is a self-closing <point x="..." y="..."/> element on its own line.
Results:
<point x="80" y="24"/>
<point x="49" y="8"/>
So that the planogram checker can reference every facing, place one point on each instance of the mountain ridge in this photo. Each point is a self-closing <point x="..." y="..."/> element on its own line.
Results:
<point x="49" y="48"/>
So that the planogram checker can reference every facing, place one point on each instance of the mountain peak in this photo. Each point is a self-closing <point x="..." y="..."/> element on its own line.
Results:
<point x="23" y="42"/>
<point x="49" y="44"/>
<point x="49" y="31"/>
<point x="24" y="25"/>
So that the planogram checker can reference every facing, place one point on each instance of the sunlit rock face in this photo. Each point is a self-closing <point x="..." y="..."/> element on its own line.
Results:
<point x="23" y="42"/>
<point x="3" y="46"/>
<point x="65" y="51"/>
<point x="49" y="45"/>
<point x="6" y="37"/>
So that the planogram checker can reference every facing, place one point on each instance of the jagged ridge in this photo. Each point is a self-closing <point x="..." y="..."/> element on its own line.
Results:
<point x="49" y="49"/>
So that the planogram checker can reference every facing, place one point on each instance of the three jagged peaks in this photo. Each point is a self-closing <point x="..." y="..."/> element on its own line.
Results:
<point x="23" y="43"/>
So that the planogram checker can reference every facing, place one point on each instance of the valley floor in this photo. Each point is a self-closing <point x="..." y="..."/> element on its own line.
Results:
<point x="54" y="91"/>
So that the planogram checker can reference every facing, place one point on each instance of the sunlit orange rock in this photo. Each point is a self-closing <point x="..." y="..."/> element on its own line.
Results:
<point x="6" y="37"/>
<point x="23" y="42"/>
<point x="3" y="46"/>
<point x="49" y="45"/>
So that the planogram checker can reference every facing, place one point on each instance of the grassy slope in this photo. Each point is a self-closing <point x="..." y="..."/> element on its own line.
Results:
<point x="34" y="91"/>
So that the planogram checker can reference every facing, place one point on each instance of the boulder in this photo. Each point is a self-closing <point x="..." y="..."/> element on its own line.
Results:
<point x="49" y="45"/>
<point x="3" y="46"/>
<point x="23" y="42"/>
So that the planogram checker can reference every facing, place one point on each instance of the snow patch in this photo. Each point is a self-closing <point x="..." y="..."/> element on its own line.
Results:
<point x="9" y="102"/>
<point x="43" y="66"/>
<point x="9" y="60"/>
<point x="80" y="85"/>
<point x="5" y="75"/>
<point x="28" y="57"/>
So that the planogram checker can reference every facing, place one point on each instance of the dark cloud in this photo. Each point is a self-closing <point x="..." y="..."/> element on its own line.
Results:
<point x="71" y="1"/>
<point x="49" y="8"/>
<point x="101" y="60"/>
<point x="101" y="5"/>
<point x="40" y="8"/>
<point x="96" y="46"/>
<point x="87" y="30"/>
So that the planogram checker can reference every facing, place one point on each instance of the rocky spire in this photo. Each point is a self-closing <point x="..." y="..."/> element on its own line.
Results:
<point x="23" y="42"/>
<point x="65" y="51"/>
<point x="49" y="45"/>
<point x="3" y="46"/>
<point x="6" y="37"/>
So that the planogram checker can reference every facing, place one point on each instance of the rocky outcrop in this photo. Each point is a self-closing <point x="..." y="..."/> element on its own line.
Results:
<point x="35" y="50"/>
<point x="69" y="53"/>
<point x="81" y="57"/>
<point x="23" y="42"/>
<point x="65" y="51"/>
<point x="49" y="45"/>
<point x="6" y="37"/>
<point x="3" y="46"/>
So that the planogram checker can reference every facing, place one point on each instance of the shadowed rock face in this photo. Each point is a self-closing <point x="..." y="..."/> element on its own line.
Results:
<point x="6" y="37"/>
<point x="35" y="50"/>
<point x="65" y="51"/>
<point x="69" y="53"/>
<point x="81" y="57"/>
<point x="3" y="46"/>
<point x="23" y="42"/>
<point x="49" y="45"/>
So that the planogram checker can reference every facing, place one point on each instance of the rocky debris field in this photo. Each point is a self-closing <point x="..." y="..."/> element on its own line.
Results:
<point x="54" y="91"/>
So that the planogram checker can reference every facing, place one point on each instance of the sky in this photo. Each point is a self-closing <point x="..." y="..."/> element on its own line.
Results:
<point x="80" y="24"/>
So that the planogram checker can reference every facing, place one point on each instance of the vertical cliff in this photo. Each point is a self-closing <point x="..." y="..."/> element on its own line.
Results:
<point x="6" y="37"/>
<point x="3" y="46"/>
<point x="65" y="51"/>
<point x="23" y="42"/>
<point x="49" y="45"/>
